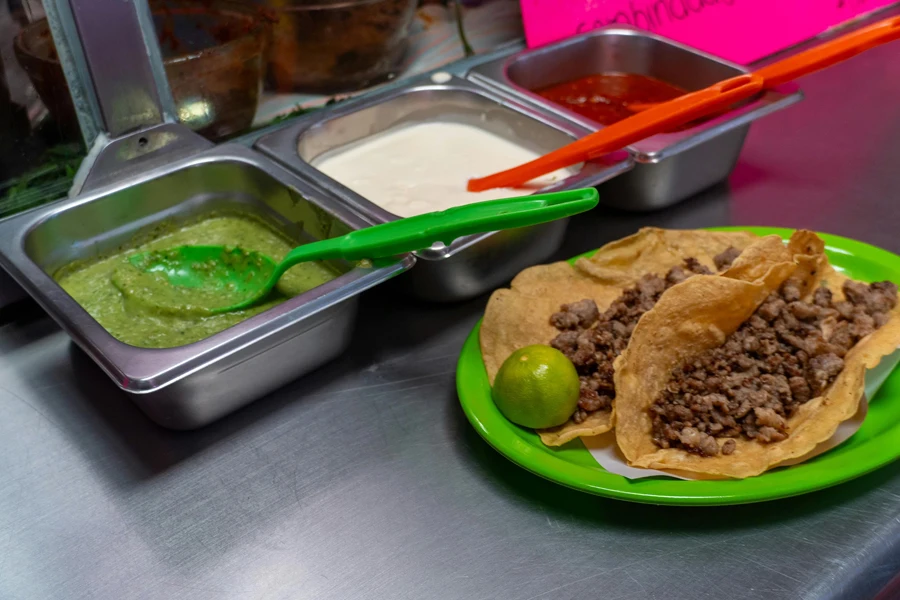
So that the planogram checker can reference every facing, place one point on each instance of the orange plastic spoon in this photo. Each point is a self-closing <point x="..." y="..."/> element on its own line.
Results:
<point x="818" y="57"/>
<point x="831" y="52"/>
<point x="627" y="131"/>
<point x="666" y="115"/>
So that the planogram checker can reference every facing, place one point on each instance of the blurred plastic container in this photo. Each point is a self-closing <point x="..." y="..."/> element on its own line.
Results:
<point x="331" y="46"/>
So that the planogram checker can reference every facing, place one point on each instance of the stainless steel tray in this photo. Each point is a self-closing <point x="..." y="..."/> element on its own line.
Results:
<point x="473" y="264"/>
<point x="668" y="167"/>
<point x="189" y="386"/>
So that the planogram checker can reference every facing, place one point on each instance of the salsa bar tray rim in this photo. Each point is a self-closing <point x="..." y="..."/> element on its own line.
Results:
<point x="492" y="73"/>
<point x="144" y="370"/>
<point x="282" y="145"/>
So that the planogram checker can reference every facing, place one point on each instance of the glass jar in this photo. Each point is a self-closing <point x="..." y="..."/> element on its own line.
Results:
<point x="214" y="55"/>
<point x="331" y="46"/>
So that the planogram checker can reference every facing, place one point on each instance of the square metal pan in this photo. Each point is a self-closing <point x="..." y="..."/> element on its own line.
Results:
<point x="474" y="264"/>
<point x="189" y="386"/>
<point x="668" y="167"/>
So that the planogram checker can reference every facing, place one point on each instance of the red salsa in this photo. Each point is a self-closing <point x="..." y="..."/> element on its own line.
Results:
<point x="605" y="97"/>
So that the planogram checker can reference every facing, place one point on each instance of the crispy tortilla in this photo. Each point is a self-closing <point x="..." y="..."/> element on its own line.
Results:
<point x="520" y="316"/>
<point x="698" y="315"/>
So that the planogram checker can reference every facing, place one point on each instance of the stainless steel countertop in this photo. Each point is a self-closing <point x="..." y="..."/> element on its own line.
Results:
<point x="364" y="480"/>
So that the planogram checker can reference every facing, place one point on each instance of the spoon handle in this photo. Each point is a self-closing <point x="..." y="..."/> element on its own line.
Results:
<point x="627" y="131"/>
<point x="415" y="233"/>
<point x="831" y="52"/>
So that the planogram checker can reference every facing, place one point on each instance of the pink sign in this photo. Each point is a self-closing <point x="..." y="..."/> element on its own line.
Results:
<point x="737" y="30"/>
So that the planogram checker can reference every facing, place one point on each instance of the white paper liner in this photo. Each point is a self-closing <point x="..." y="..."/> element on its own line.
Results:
<point x="606" y="452"/>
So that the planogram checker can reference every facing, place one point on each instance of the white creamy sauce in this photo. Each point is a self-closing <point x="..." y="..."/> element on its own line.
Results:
<point x="425" y="167"/>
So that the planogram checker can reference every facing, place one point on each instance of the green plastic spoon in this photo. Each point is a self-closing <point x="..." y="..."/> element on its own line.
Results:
<point x="217" y="279"/>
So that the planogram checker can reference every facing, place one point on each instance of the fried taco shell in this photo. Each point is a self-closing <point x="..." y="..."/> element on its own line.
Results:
<point x="698" y="315"/>
<point x="520" y="316"/>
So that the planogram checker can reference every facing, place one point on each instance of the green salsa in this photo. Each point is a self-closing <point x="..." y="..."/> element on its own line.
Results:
<point x="139" y="325"/>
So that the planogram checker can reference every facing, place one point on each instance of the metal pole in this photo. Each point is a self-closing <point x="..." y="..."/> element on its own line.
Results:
<point x="110" y="55"/>
<point x="71" y="57"/>
<point x="124" y="62"/>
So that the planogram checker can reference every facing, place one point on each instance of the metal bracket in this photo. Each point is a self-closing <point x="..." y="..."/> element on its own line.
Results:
<point x="119" y="47"/>
<point x="142" y="151"/>
<point x="114" y="67"/>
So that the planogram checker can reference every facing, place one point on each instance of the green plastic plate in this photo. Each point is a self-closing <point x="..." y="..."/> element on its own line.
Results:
<point x="876" y="444"/>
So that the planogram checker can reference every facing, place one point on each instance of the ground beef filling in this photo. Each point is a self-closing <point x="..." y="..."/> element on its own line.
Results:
<point x="788" y="352"/>
<point x="592" y="340"/>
